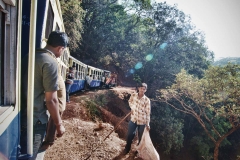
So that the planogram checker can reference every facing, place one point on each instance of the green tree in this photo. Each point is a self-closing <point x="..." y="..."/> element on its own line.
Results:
<point x="73" y="15"/>
<point x="225" y="61"/>
<point x="212" y="100"/>
<point x="166" y="128"/>
<point x="174" y="44"/>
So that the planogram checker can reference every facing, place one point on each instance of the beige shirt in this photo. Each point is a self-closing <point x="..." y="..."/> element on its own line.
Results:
<point x="61" y="93"/>
<point x="141" y="109"/>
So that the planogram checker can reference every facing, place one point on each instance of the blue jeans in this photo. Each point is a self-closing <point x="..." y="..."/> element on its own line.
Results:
<point x="39" y="130"/>
<point x="132" y="127"/>
<point x="68" y="87"/>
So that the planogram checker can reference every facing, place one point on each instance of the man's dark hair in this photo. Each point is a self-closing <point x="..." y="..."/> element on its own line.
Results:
<point x="143" y="85"/>
<point x="57" y="38"/>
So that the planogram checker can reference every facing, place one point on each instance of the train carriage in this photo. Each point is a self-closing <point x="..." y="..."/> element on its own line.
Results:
<point x="79" y="76"/>
<point x="81" y="72"/>
<point x="96" y="76"/>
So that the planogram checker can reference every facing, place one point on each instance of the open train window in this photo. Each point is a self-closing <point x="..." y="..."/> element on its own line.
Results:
<point x="7" y="56"/>
<point x="57" y="28"/>
<point x="50" y="19"/>
<point x="1" y="53"/>
<point x="8" y="49"/>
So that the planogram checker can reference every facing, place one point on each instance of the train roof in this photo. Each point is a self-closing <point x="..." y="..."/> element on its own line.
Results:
<point x="94" y="68"/>
<point x="76" y="60"/>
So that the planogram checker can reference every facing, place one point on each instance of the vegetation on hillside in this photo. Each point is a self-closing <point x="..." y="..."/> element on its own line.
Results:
<point x="149" y="43"/>
<point x="225" y="61"/>
<point x="213" y="101"/>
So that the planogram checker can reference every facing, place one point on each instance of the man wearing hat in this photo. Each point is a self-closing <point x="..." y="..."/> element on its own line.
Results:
<point x="45" y="89"/>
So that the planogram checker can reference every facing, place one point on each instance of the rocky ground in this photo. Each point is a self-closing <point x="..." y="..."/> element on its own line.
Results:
<point x="86" y="136"/>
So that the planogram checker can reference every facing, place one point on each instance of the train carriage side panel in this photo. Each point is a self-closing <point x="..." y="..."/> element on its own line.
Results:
<point x="10" y="138"/>
<point x="94" y="72"/>
<point x="10" y="24"/>
<point x="79" y="81"/>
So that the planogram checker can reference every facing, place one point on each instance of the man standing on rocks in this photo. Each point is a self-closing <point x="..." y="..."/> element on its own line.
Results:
<point x="140" y="115"/>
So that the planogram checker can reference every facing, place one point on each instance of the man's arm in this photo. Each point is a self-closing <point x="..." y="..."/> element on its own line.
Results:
<point x="148" y="112"/>
<point x="130" y="101"/>
<point x="53" y="108"/>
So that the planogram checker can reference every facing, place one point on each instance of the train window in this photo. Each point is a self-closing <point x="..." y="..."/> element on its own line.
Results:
<point x="65" y="56"/>
<point x="57" y="28"/>
<point x="7" y="65"/>
<point x="49" y="23"/>
<point x="1" y="52"/>
<point x="82" y="72"/>
<point x="77" y="67"/>
<point x="81" y="76"/>
<point x="8" y="46"/>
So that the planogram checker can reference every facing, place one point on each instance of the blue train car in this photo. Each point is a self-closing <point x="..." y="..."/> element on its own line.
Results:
<point x="84" y="72"/>
<point x="79" y="74"/>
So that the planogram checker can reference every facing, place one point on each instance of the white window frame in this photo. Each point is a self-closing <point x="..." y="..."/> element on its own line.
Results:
<point x="9" y="106"/>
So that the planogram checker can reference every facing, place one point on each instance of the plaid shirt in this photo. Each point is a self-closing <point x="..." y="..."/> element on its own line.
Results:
<point x="140" y="109"/>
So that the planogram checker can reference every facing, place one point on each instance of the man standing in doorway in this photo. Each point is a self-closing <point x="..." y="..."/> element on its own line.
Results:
<point x="61" y="94"/>
<point x="45" y="89"/>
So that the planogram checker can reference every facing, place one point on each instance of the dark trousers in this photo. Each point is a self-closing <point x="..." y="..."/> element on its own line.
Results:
<point x="51" y="131"/>
<point x="68" y="87"/>
<point x="132" y="128"/>
<point x="39" y="130"/>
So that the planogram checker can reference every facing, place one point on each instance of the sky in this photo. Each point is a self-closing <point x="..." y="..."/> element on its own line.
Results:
<point x="218" y="19"/>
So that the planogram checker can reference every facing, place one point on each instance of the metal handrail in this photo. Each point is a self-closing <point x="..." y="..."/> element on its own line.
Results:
<point x="31" y="64"/>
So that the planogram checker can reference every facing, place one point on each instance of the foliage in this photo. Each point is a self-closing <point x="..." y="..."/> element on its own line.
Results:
<point x="212" y="100"/>
<point x="201" y="146"/>
<point x="93" y="110"/>
<point x="225" y="61"/>
<point x="101" y="99"/>
<point x="166" y="128"/>
<point x="176" y="44"/>
<point x="73" y="14"/>
<point x="140" y="4"/>
<point x="107" y="39"/>
<point x="122" y="36"/>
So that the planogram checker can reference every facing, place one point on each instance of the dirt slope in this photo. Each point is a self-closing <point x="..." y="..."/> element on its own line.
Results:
<point x="85" y="137"/>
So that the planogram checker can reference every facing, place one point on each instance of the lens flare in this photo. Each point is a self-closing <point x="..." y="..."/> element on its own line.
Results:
<point x="149" y="57"/>
<point x="162" y="46"/>
<point x="131" y="71"/>
<point x="138" y="65"/>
